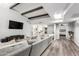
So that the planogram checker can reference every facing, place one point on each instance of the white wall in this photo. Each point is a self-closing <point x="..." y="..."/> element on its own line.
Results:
<point x="42" y="20"/>
<point x="76" y="33"/>
<point x="74" y="26"/>
<point x="71" y="26"/>
<point x="56" y="31"/>
<point x="7" y="14"/>
<point x="50" y="29"/>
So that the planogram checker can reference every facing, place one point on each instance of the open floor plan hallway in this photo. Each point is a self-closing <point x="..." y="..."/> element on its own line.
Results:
<point x="62" y="47"/>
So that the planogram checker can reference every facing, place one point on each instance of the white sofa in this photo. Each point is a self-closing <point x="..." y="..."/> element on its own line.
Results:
<point x="21" y="52"/>
<point x="16" y="49"/>
<point x="36" y="49"/>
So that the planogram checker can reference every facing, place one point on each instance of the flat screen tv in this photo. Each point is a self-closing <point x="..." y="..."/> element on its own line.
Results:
<point x="15" y="25"/>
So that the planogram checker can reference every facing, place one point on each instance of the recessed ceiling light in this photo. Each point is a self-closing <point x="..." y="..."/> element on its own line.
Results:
<point x="58" y="16"/>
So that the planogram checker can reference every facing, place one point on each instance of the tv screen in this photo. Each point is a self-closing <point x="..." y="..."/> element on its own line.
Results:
<point x="15" y="25"/>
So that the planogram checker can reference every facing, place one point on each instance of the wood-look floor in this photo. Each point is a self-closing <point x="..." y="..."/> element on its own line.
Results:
<point x="62" y="47"/>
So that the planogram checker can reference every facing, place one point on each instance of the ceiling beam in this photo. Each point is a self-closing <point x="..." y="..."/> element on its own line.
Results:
<point x="43" y="15"/>
<point x="32" y="10"/>
<point x="14" y="5"/>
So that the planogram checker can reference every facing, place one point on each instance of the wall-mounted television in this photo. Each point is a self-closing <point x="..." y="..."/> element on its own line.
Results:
<point x="15" y="25"/>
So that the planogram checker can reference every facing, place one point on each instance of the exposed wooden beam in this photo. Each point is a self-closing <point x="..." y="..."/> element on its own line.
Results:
<point x="14" y="5"/>
<point x="38" y="16"/>
<point x="32" y="10"/>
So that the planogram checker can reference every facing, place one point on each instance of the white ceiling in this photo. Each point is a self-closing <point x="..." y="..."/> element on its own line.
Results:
<point x="41" y="21"/>
<point x="50" y="8"/>
<point x="39" y="12"/>
<point x="73" y="11"/>
<point x="53" y="8"/>
<point x="26" y="6"/>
